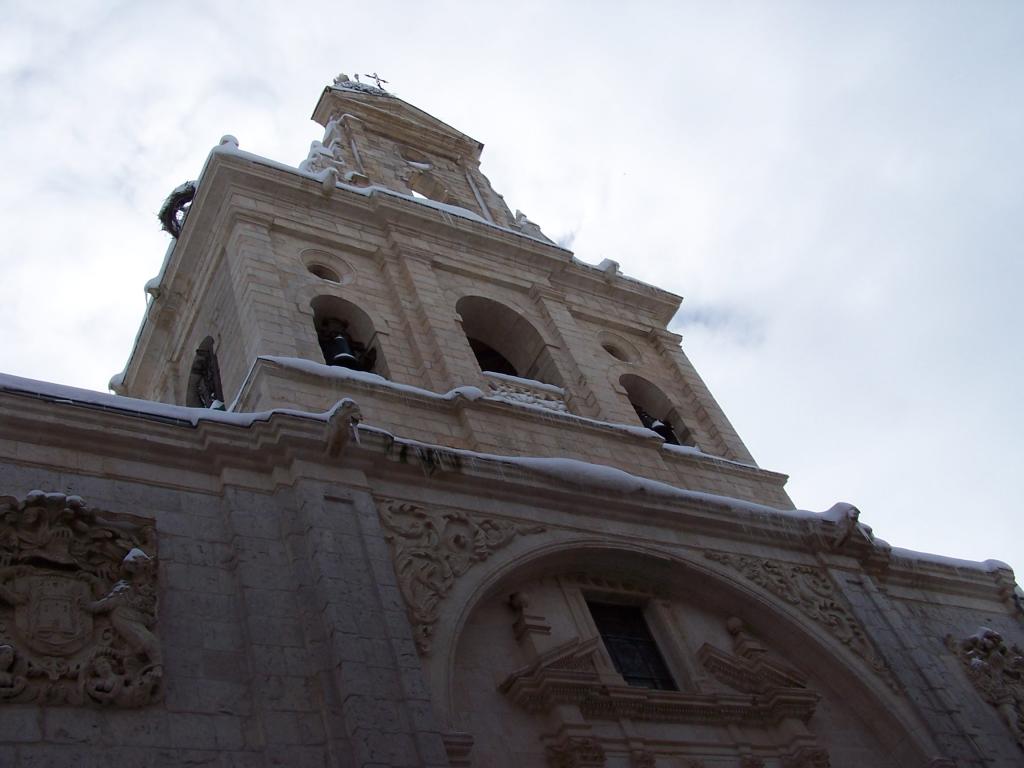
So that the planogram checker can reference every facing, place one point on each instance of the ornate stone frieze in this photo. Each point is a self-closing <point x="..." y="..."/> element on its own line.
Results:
<point x="749" y="669"/>
<point x="568" y="675"/>
<point x="997" y="672"/>
<point x="78" y="604"/>
<point x="807" y="757"/>
<point x="526" y="392"/>
<point x="575" y="752"/>
<point x="811" y="591"/>
<point x="432" y="548"/>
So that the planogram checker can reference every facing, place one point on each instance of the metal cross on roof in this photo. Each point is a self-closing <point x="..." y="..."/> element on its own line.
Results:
<point x="377" y="78"/>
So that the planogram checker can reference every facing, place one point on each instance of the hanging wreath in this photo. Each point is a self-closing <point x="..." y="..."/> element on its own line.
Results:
<point x="175" y="208"/>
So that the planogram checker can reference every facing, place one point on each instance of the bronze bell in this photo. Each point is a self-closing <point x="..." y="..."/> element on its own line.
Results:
<point x="665" y="430"/>
<point x="338" y="352"/>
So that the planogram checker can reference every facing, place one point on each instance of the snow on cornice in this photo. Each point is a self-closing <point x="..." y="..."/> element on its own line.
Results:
<point x="570" y="472"/>
<point x="470" y="393"/>
<point x="130" y="406"/>
<point x="229" y="148"/>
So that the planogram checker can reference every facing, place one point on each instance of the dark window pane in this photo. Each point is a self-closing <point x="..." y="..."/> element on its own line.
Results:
<point x="629" y="642"/>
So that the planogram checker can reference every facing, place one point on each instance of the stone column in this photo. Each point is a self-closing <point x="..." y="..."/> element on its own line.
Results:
<point x="359" y="633"/>
<point x="266" y="319"/>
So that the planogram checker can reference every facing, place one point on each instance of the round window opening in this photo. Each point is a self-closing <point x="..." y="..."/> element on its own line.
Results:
<point x="615" y="352"/>
<point x="324" y="273"/>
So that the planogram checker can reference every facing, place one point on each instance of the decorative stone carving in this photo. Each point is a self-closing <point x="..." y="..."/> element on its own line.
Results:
<point x="575" y="752"/>
<point x="614" y="583"/>
<point x="526" y="623"/>
<point x="343" y="426"/>
<point x="749" y="669"/>
<point x="511" y="389"/>
<point x="432" y="548"/>
<point x="811" y="591"/>
<point x="78" y="604"/>
<point x="997" y="671"/>
<point x="568" y="675"/>
<point x="641" y="758"/>
<point x="807" y="757"/>
<point x="330" y="153"/>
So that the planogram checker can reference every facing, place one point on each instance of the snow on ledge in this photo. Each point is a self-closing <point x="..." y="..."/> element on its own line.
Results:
<point x="540" y="386"/>
<point x="690" y="450"/>
<point x="146" y="408"/>
<point x="347" y="374"/>
<point x="570" y="471"/>
<point x="470" y="393"/>
<point x="369" y="191"/>
<point x="990" y="565"/>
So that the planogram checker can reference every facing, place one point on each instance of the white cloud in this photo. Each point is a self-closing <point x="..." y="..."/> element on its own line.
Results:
<point x="835" y="189"/>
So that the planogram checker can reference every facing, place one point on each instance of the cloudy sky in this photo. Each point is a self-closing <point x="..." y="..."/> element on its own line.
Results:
<point x="835" y="189"/>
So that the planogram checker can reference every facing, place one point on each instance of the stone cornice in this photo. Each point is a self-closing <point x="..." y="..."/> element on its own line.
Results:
<point x="264" y="445"/>
<point x="389" y="116"/>
<point x="230" y="176"/>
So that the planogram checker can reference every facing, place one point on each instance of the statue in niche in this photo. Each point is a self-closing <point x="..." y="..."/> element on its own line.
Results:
<point x="78" y="604"/>
<point x="205" y="389"/>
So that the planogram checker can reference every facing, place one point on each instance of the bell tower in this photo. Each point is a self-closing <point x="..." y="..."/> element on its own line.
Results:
<point x="401" y="482"/>
<point x="385" y="267"/>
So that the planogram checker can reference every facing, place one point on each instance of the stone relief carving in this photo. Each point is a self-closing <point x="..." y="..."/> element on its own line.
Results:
<point x="749" y="668"/>
<point x="432" y="548"/>
<point x="575" y="752"/>
<point x="809" y="589"/>
<point x="526" y="392"/>
<point x="328" y="153"/>
<point x="78" y="604"/>
<point x="568" y="674"/>
<point x="997" y="671"/>
<point x="807" y="757"/>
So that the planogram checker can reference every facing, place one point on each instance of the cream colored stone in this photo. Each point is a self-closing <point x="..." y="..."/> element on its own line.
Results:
<point x="395" y="570"/>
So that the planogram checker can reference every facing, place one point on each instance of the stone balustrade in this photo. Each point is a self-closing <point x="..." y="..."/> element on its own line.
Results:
<point x="526" y="391"/>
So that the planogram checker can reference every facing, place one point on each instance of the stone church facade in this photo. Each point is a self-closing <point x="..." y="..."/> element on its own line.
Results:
<point x="391" y="479"/>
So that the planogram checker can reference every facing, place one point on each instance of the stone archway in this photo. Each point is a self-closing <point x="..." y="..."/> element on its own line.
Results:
<point x="521" y="648"/>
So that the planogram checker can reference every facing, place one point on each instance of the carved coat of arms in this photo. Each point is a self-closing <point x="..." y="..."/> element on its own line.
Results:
<point x="78" y="604"/>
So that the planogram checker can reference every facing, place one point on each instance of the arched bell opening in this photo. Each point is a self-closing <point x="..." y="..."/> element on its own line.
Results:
<point x="503" y="341"/>
<point x="655" y="411"/>
<point x="204" y="389"/>
<point x="523" y="649"/>
<point x="346" y="335"/>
